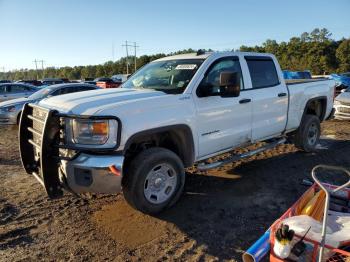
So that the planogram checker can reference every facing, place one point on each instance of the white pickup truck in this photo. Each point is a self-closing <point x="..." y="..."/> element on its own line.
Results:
<point x="172" y="113"/>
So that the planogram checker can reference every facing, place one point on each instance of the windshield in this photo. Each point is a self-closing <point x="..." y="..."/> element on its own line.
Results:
<point x="171" y="77"/>
<point x="42" y="93"/>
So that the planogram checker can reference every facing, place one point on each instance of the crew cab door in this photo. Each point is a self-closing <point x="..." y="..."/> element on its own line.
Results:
<point x="18" y="91"/>
<point x="3" y="93"/>
<point x="222" y="122"/>
<point x="270" y="97"/>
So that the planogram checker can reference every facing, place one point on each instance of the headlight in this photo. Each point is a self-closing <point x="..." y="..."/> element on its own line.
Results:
<point x="93" y="133"/>
<point x="336" y="103"/>
<point x="8" y="109"/>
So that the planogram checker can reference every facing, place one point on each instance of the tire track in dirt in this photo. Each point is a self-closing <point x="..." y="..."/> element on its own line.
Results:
<point x="221" y="213"/>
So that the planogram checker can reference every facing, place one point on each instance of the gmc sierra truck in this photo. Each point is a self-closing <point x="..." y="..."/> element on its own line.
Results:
<point x="172" y="113"/>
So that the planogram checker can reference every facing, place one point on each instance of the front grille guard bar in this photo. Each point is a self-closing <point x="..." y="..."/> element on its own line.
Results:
<point x="44" y="166"/>
<point x="40" y="160"/>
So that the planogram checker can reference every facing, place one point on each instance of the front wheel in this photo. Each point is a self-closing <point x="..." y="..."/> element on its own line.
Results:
<point x="154" y="180"/>
<point x="308" y="134"/>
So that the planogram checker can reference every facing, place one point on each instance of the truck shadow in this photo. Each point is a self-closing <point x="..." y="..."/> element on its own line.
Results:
<point x="227" y="210"/>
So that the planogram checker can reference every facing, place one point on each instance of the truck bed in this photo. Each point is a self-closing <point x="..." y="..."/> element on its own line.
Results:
<point x="301" y="91"/>
<point x="301" y="81"/>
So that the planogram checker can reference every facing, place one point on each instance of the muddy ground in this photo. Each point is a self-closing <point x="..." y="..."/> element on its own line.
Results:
<point x="220" y="214"/>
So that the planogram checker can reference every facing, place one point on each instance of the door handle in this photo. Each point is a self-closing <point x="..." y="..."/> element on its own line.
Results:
<point x="282" y="94"/>
<point x="244" y="101"/>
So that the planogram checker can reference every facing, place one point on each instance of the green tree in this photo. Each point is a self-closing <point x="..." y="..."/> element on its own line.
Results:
<point x="343" y="56"/>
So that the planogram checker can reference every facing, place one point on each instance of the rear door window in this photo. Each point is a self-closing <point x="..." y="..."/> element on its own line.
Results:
<point x="262" y="72"/>
<point x="17" y="89"/>
<point x="3" y="89"/>
<point x="85" y="88"/>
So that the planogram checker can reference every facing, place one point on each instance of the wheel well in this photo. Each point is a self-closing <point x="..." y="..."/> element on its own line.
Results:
<point x="316" y="107"/>
<point x="179" y="140"/>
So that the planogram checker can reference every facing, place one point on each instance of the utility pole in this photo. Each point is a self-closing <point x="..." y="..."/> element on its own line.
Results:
<point x="42" y="68"/>
<point x="36" y="67"/>
<point x="135" y="56"/>
<point x="127" y="45"/>
<point x="127" y="57"/>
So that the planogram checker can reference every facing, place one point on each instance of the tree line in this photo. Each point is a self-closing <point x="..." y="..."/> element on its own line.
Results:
<point x="315" y="51"/>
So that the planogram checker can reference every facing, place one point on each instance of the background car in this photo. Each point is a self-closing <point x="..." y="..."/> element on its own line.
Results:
<point x="52" y="81"/>
<point x="120" y="77"/>
<point x="30" y="82"/>
<point x="342" y="81"/>
<point x="11" y="91"/>
<point x="10" y="111"/>
<point x="106" y="82"/>
<point x="342" y="105"/>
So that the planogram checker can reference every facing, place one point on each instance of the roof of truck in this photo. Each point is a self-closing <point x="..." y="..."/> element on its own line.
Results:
<point x="186" y="56"/>
<point x="207" y="54"/>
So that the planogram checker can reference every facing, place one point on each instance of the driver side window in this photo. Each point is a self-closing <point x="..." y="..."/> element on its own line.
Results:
<point x="210" y="84"/>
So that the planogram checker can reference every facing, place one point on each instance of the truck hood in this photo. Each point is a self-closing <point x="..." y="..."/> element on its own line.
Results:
<point x="91" y="102"/>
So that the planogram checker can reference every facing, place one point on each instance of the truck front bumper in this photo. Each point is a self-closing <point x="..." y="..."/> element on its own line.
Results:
<point x="57" y="166"/>
<point x="342" y="112"/>
<point x="93" y="173"/>
<point x="8" y="118"/>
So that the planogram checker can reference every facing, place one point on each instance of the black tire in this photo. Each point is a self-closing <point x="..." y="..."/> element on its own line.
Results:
<point x="134" y="181"/>
<point x="307" y="135"/>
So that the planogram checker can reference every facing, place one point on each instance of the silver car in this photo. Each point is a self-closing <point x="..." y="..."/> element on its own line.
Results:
<point x="10" y="111"/>
<point x="342" y="105"/>
<point x="10" y="91"/>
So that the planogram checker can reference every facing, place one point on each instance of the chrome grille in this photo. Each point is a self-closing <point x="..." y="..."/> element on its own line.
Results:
<point x="39" y="113"/>
<point x="38" y="126"/>
<point x="345" y="103"/>
<point x="38" y="118"/>
<point x="344" y="109"/>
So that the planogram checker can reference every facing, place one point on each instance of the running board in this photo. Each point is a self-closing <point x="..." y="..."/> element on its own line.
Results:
<point x="204" y="167"/>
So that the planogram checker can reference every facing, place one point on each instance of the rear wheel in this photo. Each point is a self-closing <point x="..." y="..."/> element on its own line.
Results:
<point x="154" y="180"/>
<point x="307" y="136"/>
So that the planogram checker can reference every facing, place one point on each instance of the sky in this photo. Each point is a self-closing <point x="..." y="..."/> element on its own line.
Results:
<point x="82" y="32"/>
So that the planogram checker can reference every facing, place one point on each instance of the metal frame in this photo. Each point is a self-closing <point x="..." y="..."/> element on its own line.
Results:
<point x="328" y="191"/>
<point x="45" y="169"/>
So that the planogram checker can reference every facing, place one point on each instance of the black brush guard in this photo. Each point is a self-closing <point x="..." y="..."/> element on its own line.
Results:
<point x="39" y="135"/>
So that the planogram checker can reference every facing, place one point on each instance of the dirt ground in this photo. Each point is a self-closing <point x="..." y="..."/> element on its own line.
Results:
<point x="221" y="213"/>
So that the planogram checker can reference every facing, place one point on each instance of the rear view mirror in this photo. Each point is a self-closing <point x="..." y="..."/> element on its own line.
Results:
<point x="230" y="84"/>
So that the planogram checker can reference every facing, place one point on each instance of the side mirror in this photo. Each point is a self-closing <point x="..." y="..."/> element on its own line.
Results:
<point x="230" y="84"/>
